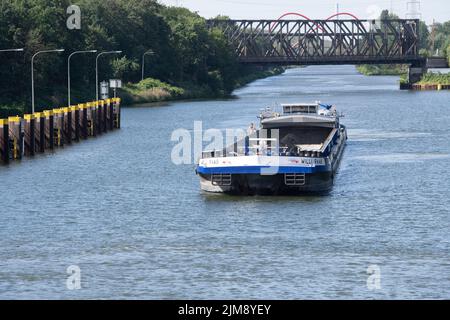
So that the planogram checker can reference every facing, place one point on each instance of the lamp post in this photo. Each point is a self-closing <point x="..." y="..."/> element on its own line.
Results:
<point x="32" y="73"/>
<point x="68" y="71"/>
<point x="149" y="52"/>
<point x="12" y="50"/>
<point x="96" y="69"/>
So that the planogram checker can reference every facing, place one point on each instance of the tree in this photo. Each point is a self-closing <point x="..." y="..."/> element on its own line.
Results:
<point x="185" y="49"/>
<point x="423" y="35"/>
<point x="448" y="54"/>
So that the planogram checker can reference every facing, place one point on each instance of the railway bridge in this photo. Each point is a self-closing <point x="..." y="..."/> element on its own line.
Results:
<point x="322" y="42"/>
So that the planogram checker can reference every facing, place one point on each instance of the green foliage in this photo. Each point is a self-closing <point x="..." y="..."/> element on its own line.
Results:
<point x="11" y="110"/>
<point x="123" y="66"/>
<point x="448" y="54"/>
<point x="424" y="53"/>
<point x="154" y="90"/>
<point x="150" y="90"/>
<point x="441" y="38"/>
<point x="435" y="78"/>
<point x="382" y="69"/>
<point x="404" y="78"/>
<point x="150" y="83"/>
<point x="424" y="36"/>
<point x="187" y="54"/>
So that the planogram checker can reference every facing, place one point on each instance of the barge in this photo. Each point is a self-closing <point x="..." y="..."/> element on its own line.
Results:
<point x="292" y="153"/>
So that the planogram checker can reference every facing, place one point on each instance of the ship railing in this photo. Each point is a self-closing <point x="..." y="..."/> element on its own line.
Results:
<point x="270" y="147"/>
<point x="256" y="150"/>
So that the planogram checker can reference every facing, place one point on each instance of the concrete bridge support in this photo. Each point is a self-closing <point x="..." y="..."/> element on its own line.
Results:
<point x="415" y="74"/>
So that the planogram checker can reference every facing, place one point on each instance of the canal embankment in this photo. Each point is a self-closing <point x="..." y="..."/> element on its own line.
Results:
<point x="154" y="90"/>
<point x="50" y="129"/>
<point x="433" y="79"/>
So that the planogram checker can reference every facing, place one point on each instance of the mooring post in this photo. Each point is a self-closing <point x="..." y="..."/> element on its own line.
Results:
<point x="42" y="121"/>
<point x="115" y="115"/>
<point x="99" y="117"/>
<point x="51" y="126"/>
<point x="76" y="109"/>
<point x="57" y="127"/>
<point x="118" y="112"/>
<point x="94" y="118"/>
<point x="105" y="116"/>
<point x="84" y="121"/>
<point x="5" y="144"/>
<point x="62" y="123"/>
<point x="111" y="114"/>
<point x="21" y="138"/>
<point x="68" y="133"/>
<point x="16" y="135"/>
<point x="30" y="128"/>
<point x="32" y="135"/>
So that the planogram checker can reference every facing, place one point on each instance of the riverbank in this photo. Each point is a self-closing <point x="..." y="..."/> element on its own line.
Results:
<point x="432" y="78"/>
<point x="153" y="90"/>
<point x="429" y="81"/>
<point x="383" y="69"/>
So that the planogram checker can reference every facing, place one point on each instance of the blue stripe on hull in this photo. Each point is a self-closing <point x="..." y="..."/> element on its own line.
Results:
<point x="257" y="170"/>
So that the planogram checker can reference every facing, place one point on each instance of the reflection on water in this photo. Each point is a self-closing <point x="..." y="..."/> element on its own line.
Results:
<point x="138" y="226"/>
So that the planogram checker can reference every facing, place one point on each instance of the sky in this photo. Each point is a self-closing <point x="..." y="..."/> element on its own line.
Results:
<point x="318" y="9"/>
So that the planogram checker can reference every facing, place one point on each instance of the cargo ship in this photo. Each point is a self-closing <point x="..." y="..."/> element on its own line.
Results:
<point x="294" y="152"/>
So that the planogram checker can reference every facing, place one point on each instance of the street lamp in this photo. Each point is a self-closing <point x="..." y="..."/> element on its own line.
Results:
<point x="149" y="52"/>
<point x="96" y="68"/>
<point x="32" y="73"/>
<point x="68" y="71"/>
<point x="12" y="50"/>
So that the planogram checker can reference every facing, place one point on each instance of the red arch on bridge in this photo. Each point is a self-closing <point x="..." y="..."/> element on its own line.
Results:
<point x="309" y="19"/>
<point x="294" y="14"/>
<point x="343" y="14"/>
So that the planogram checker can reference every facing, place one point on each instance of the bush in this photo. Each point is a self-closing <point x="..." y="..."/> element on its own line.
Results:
<point x="424" y="53"/>
<point x="448" y="55"/>
<point x="382" y="69"/>
<point x="435" y="78"/>
<point x="11" y="110"/>
<point x="150" y="90"/>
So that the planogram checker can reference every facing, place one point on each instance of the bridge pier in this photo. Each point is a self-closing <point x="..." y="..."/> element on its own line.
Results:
<point x="415" y="74"/>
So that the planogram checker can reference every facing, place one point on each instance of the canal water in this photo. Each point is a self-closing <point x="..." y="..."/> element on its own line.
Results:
<point x="137" y="226"/>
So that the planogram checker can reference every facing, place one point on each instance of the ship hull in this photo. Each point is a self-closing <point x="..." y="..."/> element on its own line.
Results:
<point x="256" y="184"/>
<point x="309" y="180"/>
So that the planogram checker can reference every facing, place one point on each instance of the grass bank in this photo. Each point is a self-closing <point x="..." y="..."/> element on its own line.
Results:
<point x="435" y="79"/>
<point x="428" y="79"/>
<point x="153" y="90"/>
<point x="383" y="69"/>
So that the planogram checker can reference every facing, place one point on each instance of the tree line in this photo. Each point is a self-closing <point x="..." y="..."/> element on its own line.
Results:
<point x="185" y="50"/>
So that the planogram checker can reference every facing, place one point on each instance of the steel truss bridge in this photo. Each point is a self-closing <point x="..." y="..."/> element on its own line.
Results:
<point x="319" y="42"/>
